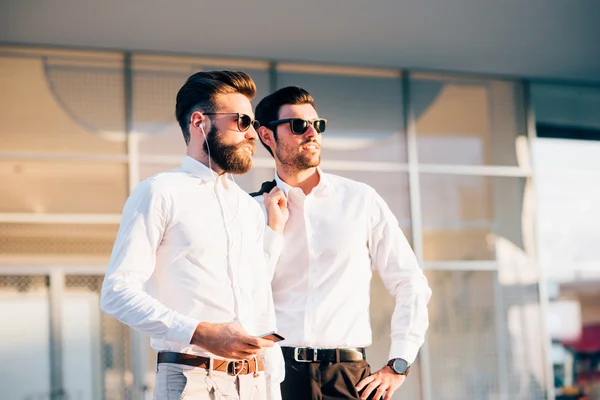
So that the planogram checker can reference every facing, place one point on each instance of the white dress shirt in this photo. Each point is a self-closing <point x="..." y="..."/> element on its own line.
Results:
<point x="190" y="249"/>
<point x="333" y="240"/>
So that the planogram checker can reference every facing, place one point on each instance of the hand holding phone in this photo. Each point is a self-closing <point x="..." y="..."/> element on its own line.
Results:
<point x="272" y="336"/>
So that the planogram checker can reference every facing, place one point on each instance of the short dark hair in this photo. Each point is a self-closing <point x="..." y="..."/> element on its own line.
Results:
<point x="268" y="108"/>
<point x="201" y="90"/>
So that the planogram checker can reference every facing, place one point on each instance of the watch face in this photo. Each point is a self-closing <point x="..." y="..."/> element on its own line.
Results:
<point x="400" y="366"/>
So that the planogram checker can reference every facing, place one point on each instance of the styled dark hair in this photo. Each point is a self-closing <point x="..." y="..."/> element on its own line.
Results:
<point x="268" y="108"/>
<point x="201" y="91"/>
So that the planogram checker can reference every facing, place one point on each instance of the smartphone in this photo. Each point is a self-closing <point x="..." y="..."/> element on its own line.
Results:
<point x="275" y="337"/>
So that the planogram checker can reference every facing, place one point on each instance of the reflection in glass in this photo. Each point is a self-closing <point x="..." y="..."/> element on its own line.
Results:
<point x="26" y="339"/>
<point x="71" y="105"/>
<point x="484" y="337"/>
<point x="62" y="187"/>
<point x="574" y="107"/>
<point x="467" y="122"/>
<point x="463" y="214"/>
<point x="381" y="309"/>
<point x="462" y="335"/>
<point x="568" y="228"/>
<point x="56" y="244"/>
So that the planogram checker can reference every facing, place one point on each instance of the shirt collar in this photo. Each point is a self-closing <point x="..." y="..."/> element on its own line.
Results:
<point x="199" y="170"/>
<point x="324" y="185"/>
<point x="281" y="184"/>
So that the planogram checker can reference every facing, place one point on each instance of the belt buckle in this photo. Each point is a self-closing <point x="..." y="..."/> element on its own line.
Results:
<point x="234" y="368"/>
<point x="297" y="354"/>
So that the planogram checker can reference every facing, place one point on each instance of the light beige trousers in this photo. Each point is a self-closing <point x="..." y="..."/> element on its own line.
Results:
<point x="175" y="382"/>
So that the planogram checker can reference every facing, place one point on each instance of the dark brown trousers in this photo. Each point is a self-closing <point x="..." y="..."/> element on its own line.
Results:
<point x="322" y="381"/>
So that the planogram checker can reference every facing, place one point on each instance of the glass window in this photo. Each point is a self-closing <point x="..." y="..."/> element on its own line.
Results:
<point x="116" y="359"/>
<point x="26" y="337"/>
<point x="80" y="331"/>
<point x="568" y="194"/>
<point x="381" y="310"/>
<point x="156" y="80"/>
<point x="484" y="335"/>
<point x="566" y="111"/>
<point x="56" y="243"/>
<point x="567" y="174"/>
<point x="464" y="215"/>
<point x="364" y="112"/>
<point x="471" y="122"/>
<point x="462" y="336"/>
<point x="70" y="103"/>
<point x="62" y="187"/>
<point x="95" y="345"/>
<point x="568" y="178"/>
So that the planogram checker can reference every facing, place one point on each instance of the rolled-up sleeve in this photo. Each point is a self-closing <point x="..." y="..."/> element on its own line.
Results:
<point x="132" y="263"/>
<point x="397" y="265"/>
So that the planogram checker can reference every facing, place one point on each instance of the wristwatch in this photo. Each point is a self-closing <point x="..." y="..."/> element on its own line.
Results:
<point x="399" y="366"/>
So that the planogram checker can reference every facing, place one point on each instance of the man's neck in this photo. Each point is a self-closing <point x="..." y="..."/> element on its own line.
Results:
<point x="306" y="179"/>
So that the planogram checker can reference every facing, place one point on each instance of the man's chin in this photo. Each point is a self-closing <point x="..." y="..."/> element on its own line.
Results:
<point x="241" y="168"/>
<point x="304" y="165"/>
<point x="313" y="162"/>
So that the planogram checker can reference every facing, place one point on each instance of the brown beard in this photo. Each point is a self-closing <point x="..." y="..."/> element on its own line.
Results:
<point x="229" y="157"/>
<point x="296" y="162"/>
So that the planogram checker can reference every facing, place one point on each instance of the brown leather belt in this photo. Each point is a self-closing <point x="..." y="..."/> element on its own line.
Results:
<point x="308" y="354"/>
<point x="238" y="367"/>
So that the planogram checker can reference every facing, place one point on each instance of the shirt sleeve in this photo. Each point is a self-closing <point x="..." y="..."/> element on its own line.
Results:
<point x="273" y="245"/>
<point x="272" y="241"/>
<point x="397" y="265"/>
<point x="265" y="315"/>
<point x="132" y="262"/>
<point x="274" y="371"/>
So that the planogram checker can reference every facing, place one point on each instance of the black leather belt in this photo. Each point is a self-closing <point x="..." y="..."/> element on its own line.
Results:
<point x="308" y="354"/>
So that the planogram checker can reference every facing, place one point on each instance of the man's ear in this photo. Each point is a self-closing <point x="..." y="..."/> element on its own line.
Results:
<point x="266" y="136"/>
<point x="196" y="119"/>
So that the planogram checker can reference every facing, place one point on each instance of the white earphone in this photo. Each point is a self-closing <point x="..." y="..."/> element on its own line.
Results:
<point x="201" y="126"/>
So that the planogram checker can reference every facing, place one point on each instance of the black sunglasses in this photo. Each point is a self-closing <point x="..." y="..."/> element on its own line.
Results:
<point x="244" y="122"/>
<point x="299" y="126"/>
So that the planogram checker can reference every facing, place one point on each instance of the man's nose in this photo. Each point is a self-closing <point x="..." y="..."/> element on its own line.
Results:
<point x="310" y="131"/>
<point x="251" y="134"/>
